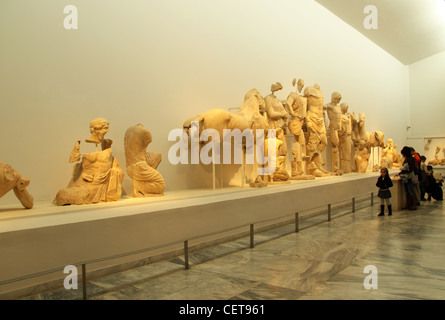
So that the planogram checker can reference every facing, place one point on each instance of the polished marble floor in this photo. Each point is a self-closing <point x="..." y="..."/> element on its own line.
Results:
<point x="323" y="261"/>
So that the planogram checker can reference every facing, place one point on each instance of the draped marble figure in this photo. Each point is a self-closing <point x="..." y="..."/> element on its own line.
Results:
<point x="297" y="108"/>
<point x="141" y="165"/>
<point x="316" y="128"/>
<point x="280" y="172"/>
<point x="275" y="110"/>
<point x="98" y="177"/>
<point x="335" y="121"/>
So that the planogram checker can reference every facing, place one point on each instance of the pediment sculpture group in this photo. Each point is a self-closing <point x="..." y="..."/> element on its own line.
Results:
<point x="97" y="176"/>
<point x="302" y="117"/>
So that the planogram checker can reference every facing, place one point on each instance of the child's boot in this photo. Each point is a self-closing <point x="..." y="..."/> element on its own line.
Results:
<point x="389" y="210"/>
<point x="382" y="211"/>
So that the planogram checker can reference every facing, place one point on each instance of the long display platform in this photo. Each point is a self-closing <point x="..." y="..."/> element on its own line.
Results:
<point x="48" y="237"/>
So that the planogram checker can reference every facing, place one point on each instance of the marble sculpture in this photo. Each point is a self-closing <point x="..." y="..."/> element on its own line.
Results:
<point x="437" y="159"/>
<point x="280" y="173"/>
<point x="335" y="120"/>
<point x="361" y="156"/>
<point x="12" y="179"/>
<point x="315" y="167"/>
<point x="98" y="176"/>
<point x="275" y="110"/>
<point x="141" y="165"/>
<point x="297" y="108"/>
<point x="248" y="117"/>
<point x="316" y="128"/>
<point x="345" y="140"/>
<point x="390" y="151"/>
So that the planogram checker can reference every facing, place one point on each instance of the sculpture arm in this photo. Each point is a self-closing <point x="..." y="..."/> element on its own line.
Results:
<point x="75" y="154"/>
<point x="276" y="114"/>
<point x="289" y="106"/>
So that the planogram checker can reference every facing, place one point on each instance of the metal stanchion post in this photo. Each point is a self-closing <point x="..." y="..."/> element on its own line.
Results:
<point x="252" y="243"/>
<point x="84" y="281"/>
<point x="297" y="223"/>
<point x="186" y="255"/>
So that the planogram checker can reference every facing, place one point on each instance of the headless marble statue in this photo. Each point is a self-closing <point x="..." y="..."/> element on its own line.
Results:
<point x="274" y="109"/>
<point x="316" y="128"/>
<point x="334" y="114"/>
<point x="345" y="141"/>
<point x="297" y="108"/>
<point x="141" y="165"/>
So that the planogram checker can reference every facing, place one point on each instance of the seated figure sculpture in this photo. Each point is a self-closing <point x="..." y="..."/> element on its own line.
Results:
<point x="437" y="159"/>
<point x="98" y="177"/>
<point x="387" y="161"/>
<point x="280" y="173"/>
<point x="11" y="179"/>
<point x="141" y="165"/>
<point x="361" y="156"/>
<point x="361" y="141"/>
<point x="390" y="157"/>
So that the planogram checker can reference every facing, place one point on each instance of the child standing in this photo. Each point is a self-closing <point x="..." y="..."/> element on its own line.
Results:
<point x="384" y="182"/>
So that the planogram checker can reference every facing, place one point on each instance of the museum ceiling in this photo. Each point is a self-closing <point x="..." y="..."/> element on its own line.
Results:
<point x="410" y="30"/>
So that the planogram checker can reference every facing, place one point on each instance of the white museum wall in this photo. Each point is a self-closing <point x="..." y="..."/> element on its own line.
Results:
<point x="427" y="103"/>
<point x="160" y="63"/>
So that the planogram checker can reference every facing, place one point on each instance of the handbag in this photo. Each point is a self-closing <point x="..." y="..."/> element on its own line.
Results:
<point x="404" y="177"/>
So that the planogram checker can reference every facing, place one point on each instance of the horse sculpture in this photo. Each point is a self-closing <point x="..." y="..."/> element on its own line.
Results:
<point x="248" y="117"/>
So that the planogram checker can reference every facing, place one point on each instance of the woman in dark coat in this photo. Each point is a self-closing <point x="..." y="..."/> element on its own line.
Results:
<point x="407" y="173"/>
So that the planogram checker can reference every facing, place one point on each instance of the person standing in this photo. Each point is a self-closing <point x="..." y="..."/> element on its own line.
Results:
<point x="416" y="178"/>
<point x="384" y="182"/>
<point x="407" y="175"/>
<point x="423" y="175"/>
